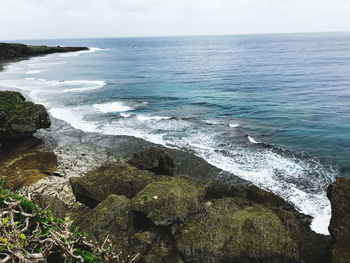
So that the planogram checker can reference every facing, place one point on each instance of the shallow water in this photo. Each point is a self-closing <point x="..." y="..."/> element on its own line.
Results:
<point x="272" y="109"/>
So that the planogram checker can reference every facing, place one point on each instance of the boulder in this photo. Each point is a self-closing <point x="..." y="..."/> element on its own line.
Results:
<point x="109" y="218"/>
<point x="170" y="201"/>
<point x="111" y="178"/>
<point x="153" y="159"/>
<point x="231" y="230"/>
<point x="20" y="118"/>
<point x="339" y="228"/>
<point x="313" y="247"/>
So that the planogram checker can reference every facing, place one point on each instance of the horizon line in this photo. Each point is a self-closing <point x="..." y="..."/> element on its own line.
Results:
<point x="170" y="36"/>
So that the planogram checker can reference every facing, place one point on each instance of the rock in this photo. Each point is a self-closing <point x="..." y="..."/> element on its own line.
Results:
<point x="20" y="118"/>
<point x="110" y="218"/>
<point x="230" y="230"/>
<point x="170" y="201"/>
<point x="153" y="159"/>
<point x="52" y="203"/>
<point x="313" y="247"/>
<point x="111" y="178"/>
<point x="339" y="228"/>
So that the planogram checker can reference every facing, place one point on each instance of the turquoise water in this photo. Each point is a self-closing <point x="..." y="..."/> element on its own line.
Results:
<point x="272" y="109"/>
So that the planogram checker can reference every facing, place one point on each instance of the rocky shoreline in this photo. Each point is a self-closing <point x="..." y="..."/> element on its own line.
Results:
<point x="162" y="204"/>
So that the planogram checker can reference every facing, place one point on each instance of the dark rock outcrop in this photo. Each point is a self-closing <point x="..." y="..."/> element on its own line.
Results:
<point x="153" y="159"/>
<point x="181" y="219"/>
<point x="112" y="178"/>
<point x="339" y="195"/>
<point x="15" y="50"/>
<point x="20" y="118"/>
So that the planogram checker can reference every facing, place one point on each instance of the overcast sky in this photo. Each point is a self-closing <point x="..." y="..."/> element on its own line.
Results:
<point x="38" y="19"/>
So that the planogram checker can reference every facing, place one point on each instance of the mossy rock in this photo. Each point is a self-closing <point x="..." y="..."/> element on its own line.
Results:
<point x="339" y="194"/>
<point x="20" y="118"/>
<point x="111" y="178"/>
<point x="170" y="201"/>
<point x="109" y="218"/>
<point x="231" y="232"/>
<point x="153" y="159"/>
<point x="217" y="190"/>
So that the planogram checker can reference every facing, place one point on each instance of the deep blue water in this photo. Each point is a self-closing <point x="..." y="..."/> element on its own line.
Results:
<point x="273" y="109"/>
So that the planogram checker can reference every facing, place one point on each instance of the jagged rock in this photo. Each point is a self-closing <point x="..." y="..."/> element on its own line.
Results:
<point x="339" y="195"/>
<point x="170" y="201"/>
<point x="111" y="178"/>
<point x="20" y="118"/>
<point x="231" y="230"/>
<point x="153" y="159"/>
<point x="52" y="203"/>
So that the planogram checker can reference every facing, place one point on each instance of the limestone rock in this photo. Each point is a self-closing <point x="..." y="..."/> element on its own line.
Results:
<point x="170" y="201"/>
<point x="153" y="159"/>
<point x="111" y="178"/>
<point x="339" y="195"/>
<point x="20" y="118"/>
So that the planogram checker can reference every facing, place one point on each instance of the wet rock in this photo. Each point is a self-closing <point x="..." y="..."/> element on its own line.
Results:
<point x="339" y="195"/>
<point x="111" y="178"/>
<point x="169" y="201"/>
<point x="231" y="231"/>
<point x="20" y="118"/>
<point x="153" y="159"/>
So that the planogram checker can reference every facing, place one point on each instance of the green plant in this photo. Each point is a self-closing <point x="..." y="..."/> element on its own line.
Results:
<point x="32" y="234"/>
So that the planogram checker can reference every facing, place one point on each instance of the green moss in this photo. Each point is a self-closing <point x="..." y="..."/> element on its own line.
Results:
<point x="12" y="104"/>
<point x="230" y="231"/>
<point x="170" y="201"/>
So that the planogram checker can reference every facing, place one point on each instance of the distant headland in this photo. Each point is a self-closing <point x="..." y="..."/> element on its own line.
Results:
<point x="16" y="50"/>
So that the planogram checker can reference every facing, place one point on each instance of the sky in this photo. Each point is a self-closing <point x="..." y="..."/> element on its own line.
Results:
<point x="44" y="19"/>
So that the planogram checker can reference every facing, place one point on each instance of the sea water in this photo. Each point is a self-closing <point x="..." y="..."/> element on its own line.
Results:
<point x="272" y="109"/>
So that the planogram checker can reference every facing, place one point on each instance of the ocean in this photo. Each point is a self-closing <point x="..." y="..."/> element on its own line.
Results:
<point x="271" y="109"/>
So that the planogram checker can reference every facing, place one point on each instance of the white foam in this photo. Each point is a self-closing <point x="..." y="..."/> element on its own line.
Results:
<point x="147" y="118"/>
<point x="125" y="115"/>
<point x="251" y="139"/>
<point x="77" y="53"/>
<point x="112" y="107"/>
<point x="33" y="71"/>
<point x="83" y="85"/>
<point x="75" y="117"/>
<point x="233" y="125"/>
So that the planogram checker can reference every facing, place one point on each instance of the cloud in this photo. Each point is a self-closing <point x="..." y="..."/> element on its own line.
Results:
<point x="21" y="19"/>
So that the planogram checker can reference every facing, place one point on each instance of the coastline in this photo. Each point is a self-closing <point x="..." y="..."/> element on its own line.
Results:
<point x="111" y="147"/>
<point x="78" y="152"/>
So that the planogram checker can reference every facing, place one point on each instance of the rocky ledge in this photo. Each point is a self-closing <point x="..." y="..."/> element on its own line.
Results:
<point x="15" y="50"/>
